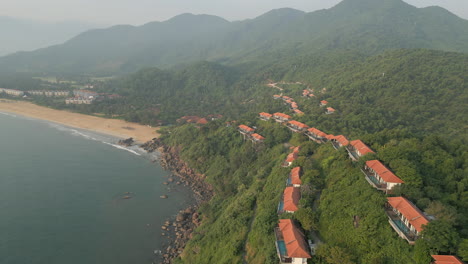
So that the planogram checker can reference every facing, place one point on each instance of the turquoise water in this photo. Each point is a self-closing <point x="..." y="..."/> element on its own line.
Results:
<point x="282" y="248"/>
<point x="61" y="197"/>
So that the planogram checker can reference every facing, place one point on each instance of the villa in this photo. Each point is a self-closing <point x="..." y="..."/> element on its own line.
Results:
<point x="339" y="141"/>
<point x="297" y="127"/>
<point x="291" y="245"/>
<point x="281" y="118"/>
<point x="323" y="103"/>
<point x="316" y="135"/>
<point x="290" y="201"/>
<point x="330" y="110"/>
<point x="405" y="218"/>
<point x="265" y="116"/>
<point x="294" y="178"/>
<point x="446" y="259"/>
<point x="357" y="149"/>
<point x="256" y="138"/>
<point x="380" y="177"/>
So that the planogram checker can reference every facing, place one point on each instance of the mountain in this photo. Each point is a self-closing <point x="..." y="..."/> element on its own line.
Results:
<point x="26" y="35"/>
<point x="363" y="25"/>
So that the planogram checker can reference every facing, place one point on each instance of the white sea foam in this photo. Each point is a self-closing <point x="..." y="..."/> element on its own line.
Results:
<point x="8" y="114"/>
<point x="124" y="148"/>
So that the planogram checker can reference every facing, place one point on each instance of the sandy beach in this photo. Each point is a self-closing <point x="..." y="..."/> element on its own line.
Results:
<point x="114" y="127"/>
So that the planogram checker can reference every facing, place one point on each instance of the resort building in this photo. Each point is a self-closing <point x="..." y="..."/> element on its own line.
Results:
<point x="316" y="135"/>
<point x="256" y="138"/>
<point x="297" y="127"/>
<point x="339" y="141"/>
<point x="291" y="157"/>
<point x="330" y="110"/>
<point x="357" y="149"/>
<point x="294" y="105"/>
<point x="446" y="259"/>
<point x="245" y="130"/>
<point x="79" y="100"/>
<point x="265" y="116"/>
<point x="323" y="103"/>
<point x="12" y="92"/>
<point x="290" y="201"/>
<point x="294" y="178"/>
<point x="405" y="218"/>
<point x="380" y="177"/>
<point x="281" y="118"/>
<point x="298" y="112"/>
<point x="85" y="94"/>
<point x="291" y="245"/>
<point x="276" y="96"/>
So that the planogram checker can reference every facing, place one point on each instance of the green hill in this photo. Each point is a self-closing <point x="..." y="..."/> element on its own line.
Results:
<point x="365" y="26"/>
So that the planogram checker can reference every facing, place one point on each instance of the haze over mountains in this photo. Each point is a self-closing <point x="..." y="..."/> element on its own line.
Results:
<point x="26" y="35"/>
<point x="366" y="26"/>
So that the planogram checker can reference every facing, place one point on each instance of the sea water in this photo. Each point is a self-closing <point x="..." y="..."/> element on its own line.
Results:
<point x="62" y="197"/>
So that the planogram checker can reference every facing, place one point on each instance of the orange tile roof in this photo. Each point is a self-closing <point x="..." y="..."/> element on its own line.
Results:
<point x="294" y="105"/>
<point x="361" y="147"/>
<point x="265" y="114"/>
<point x="342" y="140"/>
<point x="297" y="111"/>
<point x="281" y="115"/>
<point x="330" y="137"/>
<point x="410" y="211"/>
<point x="246" y="128"/>
<point x="323" y="102"/>
<point x="257" y="136"/>
<point x="330" y="109"/>
<point x="295" y="176"/>
<point x="202" y="121"/>
<point x="446" y="259"/>
<point x="277" y="95"/>
<point x="317" y="132"/>
<point x="296" y="245"/>
<point x="291" y="197"/>
<point x="293" y="155"/>
<point x="298" y="124"/>
<point x="383" y="172"/>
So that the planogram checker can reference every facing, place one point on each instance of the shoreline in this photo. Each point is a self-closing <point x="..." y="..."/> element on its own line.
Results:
<point x="113" y="127"/>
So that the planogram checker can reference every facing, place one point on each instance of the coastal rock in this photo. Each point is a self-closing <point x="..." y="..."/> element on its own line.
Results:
<point x="126" y="142"/>
<point x="163" y="196"/>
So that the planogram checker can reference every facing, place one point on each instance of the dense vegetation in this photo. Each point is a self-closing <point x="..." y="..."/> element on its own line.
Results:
<point x="367" y="26"/>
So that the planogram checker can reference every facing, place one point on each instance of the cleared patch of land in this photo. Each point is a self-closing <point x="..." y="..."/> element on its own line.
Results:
<point x="114" y="127"/>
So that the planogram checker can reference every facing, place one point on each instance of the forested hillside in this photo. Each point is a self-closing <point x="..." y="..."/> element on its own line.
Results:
<point x="360" y="25"/>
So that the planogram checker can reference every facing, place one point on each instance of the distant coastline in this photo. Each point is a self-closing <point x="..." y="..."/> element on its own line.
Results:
<point x="114" y="127"/>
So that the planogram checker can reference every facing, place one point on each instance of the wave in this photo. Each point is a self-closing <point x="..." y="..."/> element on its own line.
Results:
<point x="8" y="114"/>
<point x="94" y="137"/>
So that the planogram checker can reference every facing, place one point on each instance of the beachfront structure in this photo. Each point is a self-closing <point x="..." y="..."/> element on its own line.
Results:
<point x="281" y="118"/>
<point x="256" y="138"/>
<point x="49" y="93"/>
<point x="265" y="116"/>
<point x="12" y="92"/>
<point x="316" y="135"/>
<point x="323" y="103"/>
<point x="405" y="218"/>
<point x="297" y="127"/>
<point x="380" y="177"/>
<point x="330" y="110"/>
<point x="79" y="100"/>
<point x="357" y="149"/>
<point x="294" y="178"/>
<point x="290" y="200"/>
<point x="291" y="157"/>
<point x="291" y="245"/>
<point x="446" y="259"/>
<point x="85" y="94"/>
<point x="245" y="130"/>
<point x="339" y="141"/>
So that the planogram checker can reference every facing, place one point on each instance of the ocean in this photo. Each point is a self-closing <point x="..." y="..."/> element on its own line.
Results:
<point x="62" y="197"/>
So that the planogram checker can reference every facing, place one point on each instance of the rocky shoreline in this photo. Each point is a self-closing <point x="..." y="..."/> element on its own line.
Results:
<point x="180" y="231"/>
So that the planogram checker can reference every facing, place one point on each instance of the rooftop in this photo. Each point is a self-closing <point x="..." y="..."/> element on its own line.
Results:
<point x="296" y="176"/>
<point x="296" y="245"/>
<point x="415" y="217"/>
<point x="317" y="132"/>
<point x="246" y="128"/>
<point x="361" y="147"/>
<point x="383" y="172"/>
<point x="291" y="197"/>
<point x="446" y="259"/>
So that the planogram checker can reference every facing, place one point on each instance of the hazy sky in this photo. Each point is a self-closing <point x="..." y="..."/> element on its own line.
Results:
<point x="136" y="12"/>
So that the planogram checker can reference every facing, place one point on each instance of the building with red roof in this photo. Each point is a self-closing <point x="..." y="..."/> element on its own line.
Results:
<point x="357" y="149"/>
<point x="446" y="259"/>
<point x="296" y="126"/>
<point x="294" y="178"/>
<point x="291" y="157"/>
<point x="265" y="116"/>
<point x="291" y="245"/>
<point x="379" y="176"/>
<point x="323" y="103"/>
<point x="330" y="110"/>
<point x="276" y="96"/>
<point x="405" y="218"/>
<point x="256" y="138"/>
<point x="245" y="130"/>
<point x="316" y="135"/>
<point x="339" y="141"/>
<point x="290" y="201"/>
<point x="281" y="118"/>
<point x="298" y="112"/>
